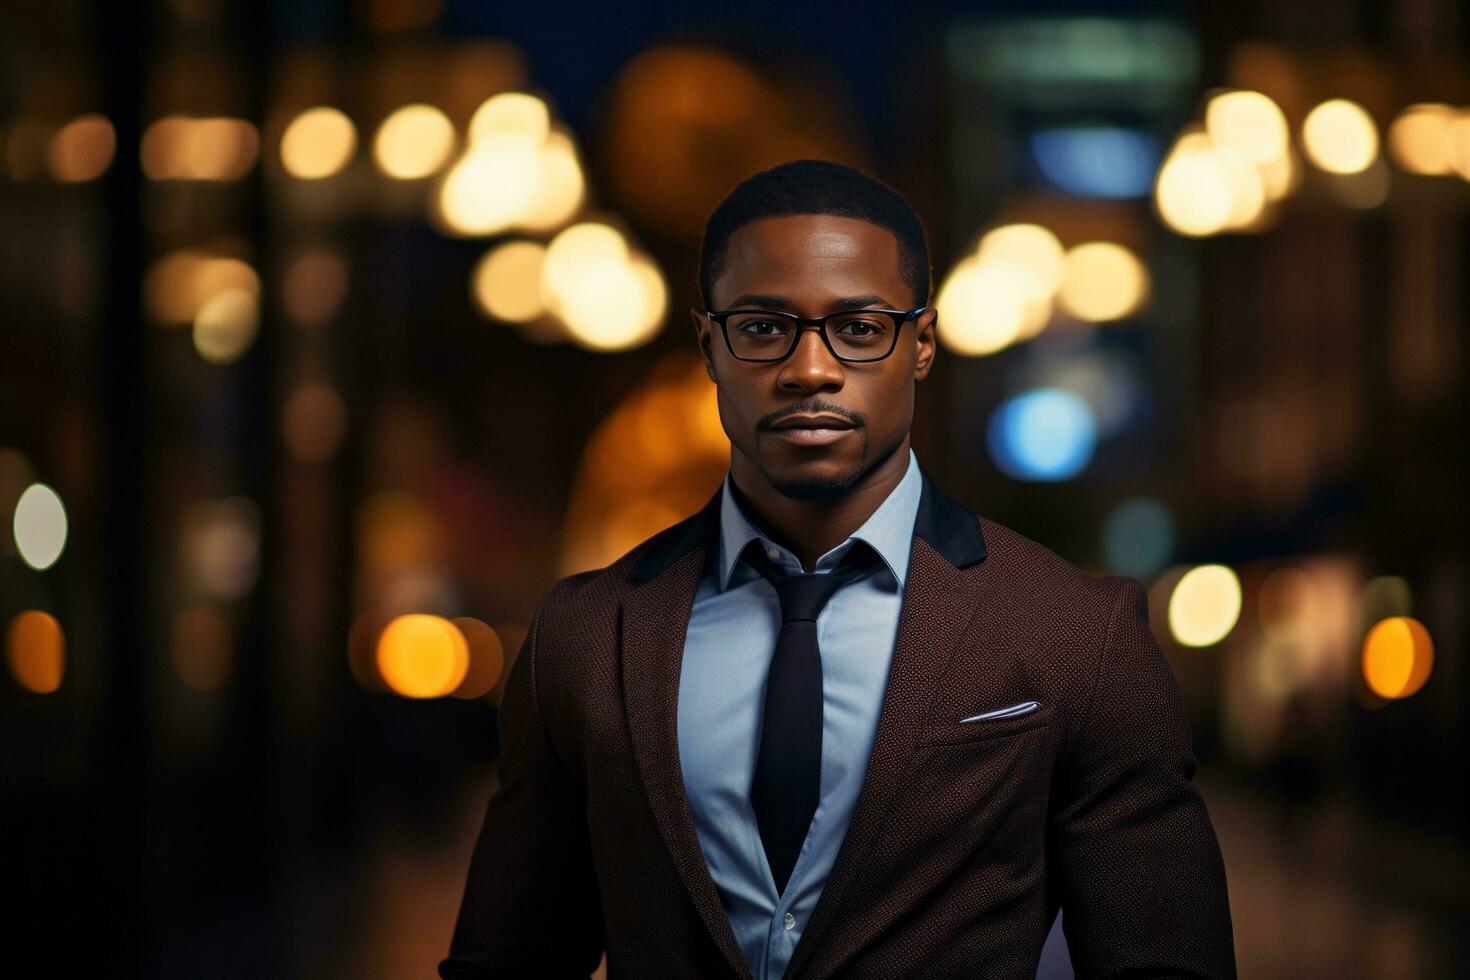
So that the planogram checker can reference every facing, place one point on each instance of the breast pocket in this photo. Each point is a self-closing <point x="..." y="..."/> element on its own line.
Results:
<point x="976" y="795"/>
<point x="1001" y="722"/>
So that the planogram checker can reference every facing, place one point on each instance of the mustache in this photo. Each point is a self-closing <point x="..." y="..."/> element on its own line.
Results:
<point x="813" y="406"/>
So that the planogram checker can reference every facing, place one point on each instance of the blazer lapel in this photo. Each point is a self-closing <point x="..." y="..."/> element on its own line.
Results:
<point x="653" y="623"/>
<point x="937" y="610"/>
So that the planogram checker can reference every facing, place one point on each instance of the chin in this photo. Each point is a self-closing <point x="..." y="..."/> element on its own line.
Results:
<point x="827" y="480"/>
<point x="814" y="483"/>
<point x="823" y="492"/>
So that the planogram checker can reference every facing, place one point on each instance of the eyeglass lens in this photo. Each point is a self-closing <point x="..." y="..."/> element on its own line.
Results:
<point x="854" y="336"/>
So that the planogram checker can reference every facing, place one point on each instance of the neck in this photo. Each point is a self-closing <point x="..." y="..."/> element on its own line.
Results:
<point x="811" y="528"/>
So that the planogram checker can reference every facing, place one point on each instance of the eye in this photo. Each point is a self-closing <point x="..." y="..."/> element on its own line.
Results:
<point x="761" y="327"/>
<point x="860" y="328"/>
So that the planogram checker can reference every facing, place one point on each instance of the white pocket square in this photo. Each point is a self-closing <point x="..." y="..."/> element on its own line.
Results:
<point x="1022" y="708"/>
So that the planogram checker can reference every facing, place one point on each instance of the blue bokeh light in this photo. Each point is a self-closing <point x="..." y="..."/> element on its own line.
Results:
<point x="1042" y="434"/>
<point x="1138" y="537"/>
<point x="1097" y="161"/>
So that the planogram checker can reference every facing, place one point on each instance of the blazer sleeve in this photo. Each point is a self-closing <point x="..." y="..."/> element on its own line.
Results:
<point x="531" y="906"/>
<point x="1141" y="877"/>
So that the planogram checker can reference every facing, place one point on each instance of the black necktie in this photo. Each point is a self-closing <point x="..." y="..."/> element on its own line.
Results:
<point x="788" y="769"/>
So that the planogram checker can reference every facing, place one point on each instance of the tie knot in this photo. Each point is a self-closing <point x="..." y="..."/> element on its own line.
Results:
<point x="804" y="594"/>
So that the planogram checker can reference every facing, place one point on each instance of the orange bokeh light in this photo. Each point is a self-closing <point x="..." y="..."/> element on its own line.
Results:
<point x="1397" y="657"/>
<point x="36" y="649"/>
<point x="422" y="656"/>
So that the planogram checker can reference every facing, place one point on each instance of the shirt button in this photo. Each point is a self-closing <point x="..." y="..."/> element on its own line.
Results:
<point x="789" y="922"/>
<point x="773" y="554"/>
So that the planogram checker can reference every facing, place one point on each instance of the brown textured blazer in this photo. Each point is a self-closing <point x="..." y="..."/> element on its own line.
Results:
<point x="966" y="838"/>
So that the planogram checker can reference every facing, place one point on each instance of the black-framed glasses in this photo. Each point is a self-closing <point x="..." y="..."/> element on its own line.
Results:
<point x="854" y="336"/>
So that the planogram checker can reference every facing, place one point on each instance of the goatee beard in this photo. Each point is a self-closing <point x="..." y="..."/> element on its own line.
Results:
<point x="831" y="491"/>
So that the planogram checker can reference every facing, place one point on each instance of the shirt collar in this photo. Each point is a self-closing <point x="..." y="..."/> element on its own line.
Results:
<point x="889" y="530"/>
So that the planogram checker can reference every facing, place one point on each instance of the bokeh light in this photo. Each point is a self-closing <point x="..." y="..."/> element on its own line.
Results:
<point x="35" y="648"/>
<point x="560" y="186"/>
<point x="612" y="305"/>
<point x="1419" y="139"/>
<point x="220" y="541"/>
<point x="413" y="142"/>
<point x="982" y="308"/>
<point x="487" y="659"/>
<point x="1204" y="605"/>
<point x="1043" y="434"/>
<point x="578" y="248"/>
<point x="201" y="647"/>
<point x="399" y="16"/>
<point x="225" y="325"/>
<point x="397" y="532"/>
<point x="1398" y="656"/>
<point x="1030" y="248"/>
<point x="422" y="656"/>
<point x="82" y="149"/>
<point x="506" y="283"/>
<point x="180" y="283"/>
<point x="1138" y="537"/>
<point x="492" y="185"/>
<point x="518" y="171"/>
<point x="518" y="113"/>
<point x="1193" y="192"/>
<point x="608" y="297"/>
<point x="1102" y="281"/>
<point x="314" y="423"/>
<point x="318" y="143"/>
<point x="653" y="459"/>
<point x="1340" y="137"/>
<point x="1247" y="188"/>
<point x="678" y="129"/>
<point x="39" y="526"/>
<point x="1285" y="605"/>
<point x="1206" y="187"/>
<point x="1097" y="161"/>
<point x="1250" y="123"/>
<point x="314" y="286"/>
<point x="192" y="148"/>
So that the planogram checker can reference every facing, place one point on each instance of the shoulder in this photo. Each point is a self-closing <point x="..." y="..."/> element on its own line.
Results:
<point x="1055" y="604"/>
<point x="588" y="595"/>
<point x="1038" y="570"/>
<point x="1074" y="624"/>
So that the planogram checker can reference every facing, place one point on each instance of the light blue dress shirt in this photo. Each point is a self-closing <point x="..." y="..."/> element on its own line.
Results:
<point x="727" y="655"/>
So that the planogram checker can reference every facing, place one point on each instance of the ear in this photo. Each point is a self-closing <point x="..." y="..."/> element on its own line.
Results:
<point x="704" y="332"/>
<point x="925" y="342"/>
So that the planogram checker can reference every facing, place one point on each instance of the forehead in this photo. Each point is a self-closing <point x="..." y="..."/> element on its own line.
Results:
<point x="812" y="260"/>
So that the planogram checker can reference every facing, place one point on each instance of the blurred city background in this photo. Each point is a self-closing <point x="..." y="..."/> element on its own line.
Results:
<point x="335" y="332"/>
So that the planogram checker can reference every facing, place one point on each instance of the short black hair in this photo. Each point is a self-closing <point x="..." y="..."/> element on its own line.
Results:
<point x="817" y="187"/>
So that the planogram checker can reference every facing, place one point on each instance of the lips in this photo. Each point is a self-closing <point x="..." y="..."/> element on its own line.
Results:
<point x="812" y="430"/>
<point x="812" y="422"/>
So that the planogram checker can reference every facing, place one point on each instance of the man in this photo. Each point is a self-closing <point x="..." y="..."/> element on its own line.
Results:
<point x="835" y="724"/>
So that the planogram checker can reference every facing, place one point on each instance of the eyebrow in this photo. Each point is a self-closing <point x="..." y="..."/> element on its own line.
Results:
<point x="781" y="302"/>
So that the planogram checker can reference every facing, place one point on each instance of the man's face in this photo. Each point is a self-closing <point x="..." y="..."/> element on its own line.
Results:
<point x="812" y="265"/>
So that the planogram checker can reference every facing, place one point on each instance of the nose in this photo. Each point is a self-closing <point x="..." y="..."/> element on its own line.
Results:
<point x="811" y="366"/>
